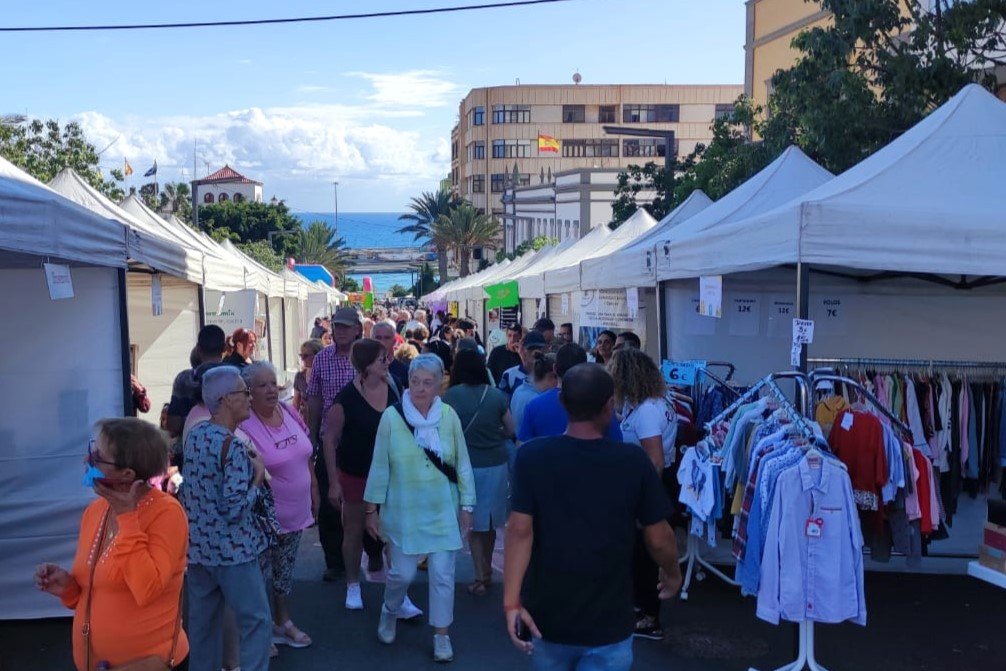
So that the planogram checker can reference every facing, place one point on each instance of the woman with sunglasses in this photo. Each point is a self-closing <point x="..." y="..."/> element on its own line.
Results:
<point x="308" y="351"/>
<point x="130" y="556"/>
<point x="350" y="435"/>
<point x="279" y="434"/>
<point x="222" y="477"/>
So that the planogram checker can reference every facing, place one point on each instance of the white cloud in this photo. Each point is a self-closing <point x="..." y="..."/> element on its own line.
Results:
<point x="413" y="88"/>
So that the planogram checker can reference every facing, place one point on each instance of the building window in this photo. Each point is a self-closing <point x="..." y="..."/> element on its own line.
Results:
<point x="511" y="114"/>
<point x="589" y="148"/>
<point x="606" y="114"/>
<point x="454" y="150"/>
<point x="238" y="198"/>
<point x="724" y="110"/>
<point x="478" y="184"/>
<point x="208" y="198"/>
<point x="647" y="146"/>
<point x="477" y="150"/>
<point x="511" y="148"/>
<point x="501" y="181"/>
<point x="650" y="113"/>
<point x="222" y="197"/>
<point x="573" y="114"/>
<point x="478" y="116"/>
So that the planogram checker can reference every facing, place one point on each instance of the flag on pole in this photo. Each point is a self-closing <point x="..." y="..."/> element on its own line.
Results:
<point x="128" y="169"/>
<point x="152" y="172"/>
<point x="547" y="143"/>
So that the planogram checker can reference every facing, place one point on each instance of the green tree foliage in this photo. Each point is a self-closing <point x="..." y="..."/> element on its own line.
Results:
<point x="263" y="253"/>
<point x="43" y="148"/>
<point x="350" y="284"/>
<point x="170" y="198"/>
<point x="636" y="179"/>
<point x="247" y="221"/>
<point x="426" y="210"/>
<point x="425" y="283"/>
<point x="317" y="244"/>
<point x="858" y="84"/>
<point x="464" y="229"/>
<point x="535" y="243"/>
<point x="398" y="291"/>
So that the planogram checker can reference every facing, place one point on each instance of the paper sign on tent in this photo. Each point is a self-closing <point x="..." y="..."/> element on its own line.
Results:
<point x="57" y="276"/>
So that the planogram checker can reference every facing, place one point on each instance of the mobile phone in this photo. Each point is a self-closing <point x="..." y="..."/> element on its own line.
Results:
<point x="522" y="630"/>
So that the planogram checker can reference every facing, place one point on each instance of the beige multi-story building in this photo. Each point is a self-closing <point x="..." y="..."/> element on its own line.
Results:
<point x="498" y="128"/>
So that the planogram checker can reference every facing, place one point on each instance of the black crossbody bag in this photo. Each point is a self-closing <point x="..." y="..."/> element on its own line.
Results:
<point x="449" y="471"/>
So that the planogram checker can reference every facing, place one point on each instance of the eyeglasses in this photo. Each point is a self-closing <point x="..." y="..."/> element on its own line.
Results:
<point x="240" y="391"/>
<point x="286" y="442"/>
<point x="92" y="456"/>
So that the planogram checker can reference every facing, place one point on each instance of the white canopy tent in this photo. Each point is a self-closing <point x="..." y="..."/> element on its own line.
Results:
<point x="162" y="335"/>
<point x="566" y="278"/>
<point x="632" y="264"/>
<point x="220" y="272"/>
<point x="51" y="402"/>
<point x="932" y="201"/>
<point x="455" y="292"/>
<point x="152" y="245"/>
<point x="532" y="284"/>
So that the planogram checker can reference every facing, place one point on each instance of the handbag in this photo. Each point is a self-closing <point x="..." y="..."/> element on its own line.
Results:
<point x="150" y="663"/>
<point x="449" y="471"/>
<point x="263" y="508"/>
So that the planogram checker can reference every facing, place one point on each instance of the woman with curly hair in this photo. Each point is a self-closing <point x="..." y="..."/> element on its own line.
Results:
<point x="647" y="420"/>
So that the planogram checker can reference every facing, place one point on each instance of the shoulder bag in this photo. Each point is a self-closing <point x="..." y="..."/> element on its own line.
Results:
<point x="263" y="509"/>
<point x="151" y="663"/>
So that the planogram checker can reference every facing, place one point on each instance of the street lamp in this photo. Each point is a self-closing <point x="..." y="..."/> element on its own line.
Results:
<point x="335" y="187"/>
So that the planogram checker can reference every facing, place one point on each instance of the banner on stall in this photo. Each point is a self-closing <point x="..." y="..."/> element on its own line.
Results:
<point x="502" y="295"/>
<point x="608" y="309"/>
<point x="452" y="308"/>
<point x="509" y="316"/>
<point x="57" y="277"/>
<point x="233" y="310"/>
<point x="711" y="296"/>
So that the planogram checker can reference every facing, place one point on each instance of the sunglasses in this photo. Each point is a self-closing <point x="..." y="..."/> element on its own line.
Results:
<point x="92" y="455"/>
<point x="289" y="441"/>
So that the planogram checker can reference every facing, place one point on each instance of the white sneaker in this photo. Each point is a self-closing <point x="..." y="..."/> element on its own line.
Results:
<point x="409" y="610"/>
<point x="354" y="600"/>
<point x="386" y="626"/>
<point x="442" y="650"/>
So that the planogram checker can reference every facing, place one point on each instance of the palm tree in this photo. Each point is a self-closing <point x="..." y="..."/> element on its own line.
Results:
<point x="176" y="199"/>
<point x="426" y="210"/>
<point x="465" y="229"/>
<point x="318" y="244"/>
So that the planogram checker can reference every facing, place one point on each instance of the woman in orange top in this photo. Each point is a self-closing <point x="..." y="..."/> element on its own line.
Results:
<point x="133" y="543"/>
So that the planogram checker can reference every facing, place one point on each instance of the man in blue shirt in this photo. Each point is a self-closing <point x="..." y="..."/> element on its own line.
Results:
<point x="545" y="415"/>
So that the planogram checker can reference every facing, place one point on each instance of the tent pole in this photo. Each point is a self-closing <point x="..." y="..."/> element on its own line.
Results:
<point x="268" y="327"/>
<point x="128" y="410"/>
<point x="286" y="345"/>
<point x="201" y="294"/>
<point x="803" y="304"/>
<point x="661" y="326"/>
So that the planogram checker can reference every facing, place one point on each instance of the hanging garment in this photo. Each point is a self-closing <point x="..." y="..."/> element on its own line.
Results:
<point x="857" y="439"/>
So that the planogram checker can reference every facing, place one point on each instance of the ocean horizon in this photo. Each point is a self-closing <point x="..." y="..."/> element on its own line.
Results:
<point x="365" y="230"/>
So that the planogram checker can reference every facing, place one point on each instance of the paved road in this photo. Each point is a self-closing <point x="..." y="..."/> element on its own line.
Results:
<point x="716" y="630"/>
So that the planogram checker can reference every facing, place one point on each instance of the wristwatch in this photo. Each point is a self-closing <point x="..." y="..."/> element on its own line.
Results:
<point x="468" y="509"/>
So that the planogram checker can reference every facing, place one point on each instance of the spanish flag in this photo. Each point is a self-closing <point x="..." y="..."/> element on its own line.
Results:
<point x="128" y="169"/>
<point x="547" y="143"/>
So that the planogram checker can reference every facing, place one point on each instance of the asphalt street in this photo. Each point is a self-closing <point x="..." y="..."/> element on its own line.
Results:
<point x="916" y="622"/>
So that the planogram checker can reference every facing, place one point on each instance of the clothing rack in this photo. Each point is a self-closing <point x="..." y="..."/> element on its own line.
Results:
<point x="821" y="375"/>
<point x="910" y="363"/>
<point x="693" y="551"/>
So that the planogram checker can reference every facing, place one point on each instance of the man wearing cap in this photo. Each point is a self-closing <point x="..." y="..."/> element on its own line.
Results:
<point x="331" y="371"/>
<point x="514" y="377"/>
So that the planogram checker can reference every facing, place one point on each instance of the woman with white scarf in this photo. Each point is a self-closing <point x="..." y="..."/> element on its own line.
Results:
<point x="422" y="480"/>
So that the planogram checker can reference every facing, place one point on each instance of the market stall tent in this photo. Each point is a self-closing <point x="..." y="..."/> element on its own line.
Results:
<point x="163" y="299"/>
<point x="633" y="264"/>
<point x="932" y="201"/>
<point x="532" y="284"/>
<point x="52" y="401"/>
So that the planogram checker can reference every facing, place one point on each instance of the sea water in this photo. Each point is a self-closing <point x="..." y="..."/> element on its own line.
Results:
<point x="369" y="229"/>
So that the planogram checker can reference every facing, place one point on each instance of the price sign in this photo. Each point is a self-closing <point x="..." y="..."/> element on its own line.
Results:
<point x="681" y="373"/>
<point x="803" y="331"/>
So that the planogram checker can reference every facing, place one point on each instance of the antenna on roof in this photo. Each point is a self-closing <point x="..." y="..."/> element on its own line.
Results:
<point x="577" y="78"/>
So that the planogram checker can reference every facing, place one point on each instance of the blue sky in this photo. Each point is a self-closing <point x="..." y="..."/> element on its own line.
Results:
<point x="368" y="102"/>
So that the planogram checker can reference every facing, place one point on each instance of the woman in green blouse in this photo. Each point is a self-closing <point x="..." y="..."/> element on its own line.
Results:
<point x="422" y="480"/>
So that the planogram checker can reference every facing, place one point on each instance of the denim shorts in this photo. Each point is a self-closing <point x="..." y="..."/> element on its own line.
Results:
<point x="560" y="657"/>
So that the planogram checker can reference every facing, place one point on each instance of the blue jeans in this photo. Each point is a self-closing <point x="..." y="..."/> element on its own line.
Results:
<point x="242" y="588"/>
<point x="559" y="657"/>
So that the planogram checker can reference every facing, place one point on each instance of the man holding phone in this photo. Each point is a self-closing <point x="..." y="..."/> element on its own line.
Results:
<point x="576" y="501"/>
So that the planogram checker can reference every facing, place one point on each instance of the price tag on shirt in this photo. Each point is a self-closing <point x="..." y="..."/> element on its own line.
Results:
<point x="815" y="527"/>
<point x="847" y="420"/>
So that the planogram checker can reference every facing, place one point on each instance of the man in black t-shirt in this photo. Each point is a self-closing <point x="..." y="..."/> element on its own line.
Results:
<point x="506" y="356"/>
<point x="576" y="501"/>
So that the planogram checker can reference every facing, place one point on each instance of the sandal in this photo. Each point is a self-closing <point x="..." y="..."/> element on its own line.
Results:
<point x="273" y="651"/>
<point x="478" y="588"/>
<point x="290" y="635"/>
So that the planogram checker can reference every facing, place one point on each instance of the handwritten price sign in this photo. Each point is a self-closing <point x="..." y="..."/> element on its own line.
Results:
<point x="681" y="373"/>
